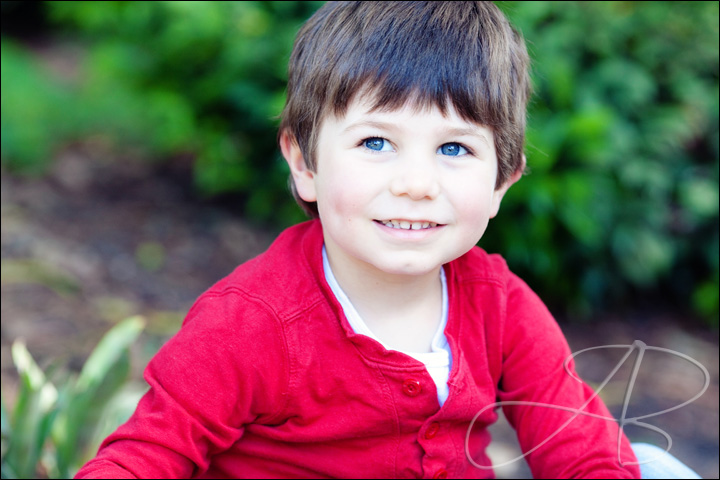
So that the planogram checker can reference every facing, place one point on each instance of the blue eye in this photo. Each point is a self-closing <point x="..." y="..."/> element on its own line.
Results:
<point x="378" y="144"/>
<point x="452" y="149"/>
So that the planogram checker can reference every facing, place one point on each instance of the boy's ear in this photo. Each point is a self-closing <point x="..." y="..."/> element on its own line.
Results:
<point x="499" y="193"/>
<point x="303" y="177"/>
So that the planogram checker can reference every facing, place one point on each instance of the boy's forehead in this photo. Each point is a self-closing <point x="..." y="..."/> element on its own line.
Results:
<point x="364" y="110"/>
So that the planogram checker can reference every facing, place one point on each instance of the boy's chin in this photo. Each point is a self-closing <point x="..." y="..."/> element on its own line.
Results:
<point x="410" y="269"/>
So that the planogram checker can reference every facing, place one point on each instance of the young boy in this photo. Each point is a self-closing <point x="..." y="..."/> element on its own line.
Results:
<point x="364" y="342"/>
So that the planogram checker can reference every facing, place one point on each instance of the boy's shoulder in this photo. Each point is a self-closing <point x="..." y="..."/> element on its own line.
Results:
<point x="285" y="263"/>
<point x="478" y="269"/>
<point x="283" y="279"/>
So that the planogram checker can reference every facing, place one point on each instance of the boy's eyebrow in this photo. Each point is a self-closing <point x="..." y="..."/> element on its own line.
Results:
<point x="463" y="132"/>
<point x="370" y="123"/>
<point x="389" y="127"/>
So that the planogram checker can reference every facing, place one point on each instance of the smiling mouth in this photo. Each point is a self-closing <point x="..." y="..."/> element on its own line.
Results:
<point x="407" y="225"/>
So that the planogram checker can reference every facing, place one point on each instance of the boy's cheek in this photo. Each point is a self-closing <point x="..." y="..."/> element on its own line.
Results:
<point x="339" y="198"/>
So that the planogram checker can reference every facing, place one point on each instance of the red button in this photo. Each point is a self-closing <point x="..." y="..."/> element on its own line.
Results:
<point x="432" y="430"/>
<point x="442" y="473"/>
<point x="411" y="387"/>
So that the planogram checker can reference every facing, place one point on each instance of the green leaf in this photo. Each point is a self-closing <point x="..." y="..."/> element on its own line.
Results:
<point x="108" y="351"/>
<point x="33" y="414"/>
<point x="6" y="430"/>
<point x="7" y="471"/>
<point x="700" y="196"/>
<point x="104" y="372"/>
<point x="20" y="271"/>
<point x="706" y="301"/>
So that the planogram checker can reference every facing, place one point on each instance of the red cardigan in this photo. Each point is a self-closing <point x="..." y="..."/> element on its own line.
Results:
<point x="267" y="379"/>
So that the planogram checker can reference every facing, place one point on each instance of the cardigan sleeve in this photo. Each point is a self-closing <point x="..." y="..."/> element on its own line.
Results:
<point x="558" y="443"/>
<point x="225" y="368"/>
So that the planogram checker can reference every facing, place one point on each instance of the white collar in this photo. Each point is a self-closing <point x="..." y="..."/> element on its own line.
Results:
<point x="440" y="349"/>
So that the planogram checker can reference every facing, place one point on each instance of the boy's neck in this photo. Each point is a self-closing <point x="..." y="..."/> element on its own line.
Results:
<point x="402" y="311"/>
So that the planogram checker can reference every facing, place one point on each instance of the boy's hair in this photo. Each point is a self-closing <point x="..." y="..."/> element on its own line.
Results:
<point x="428" y="53"/>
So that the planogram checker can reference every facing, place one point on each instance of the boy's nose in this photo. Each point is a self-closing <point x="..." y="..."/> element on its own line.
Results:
<point x="417" y="179"/>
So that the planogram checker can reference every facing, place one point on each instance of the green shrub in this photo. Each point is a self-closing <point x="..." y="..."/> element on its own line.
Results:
<point x="34" y="108"/>
<point x="54" y="430"/>
<point x="205" y="78"/>
<point x="623" y="151"/>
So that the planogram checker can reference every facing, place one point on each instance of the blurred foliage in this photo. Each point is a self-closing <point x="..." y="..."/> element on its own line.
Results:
<point x="27" y="270"/>
<point x="623" y="151"/>
<point x="163" y="79"/>
<point x="622" y="139"/>
<point x="53" y="431"/>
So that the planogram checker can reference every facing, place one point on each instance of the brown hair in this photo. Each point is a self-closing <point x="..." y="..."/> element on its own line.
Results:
<point x="426" y="52"/>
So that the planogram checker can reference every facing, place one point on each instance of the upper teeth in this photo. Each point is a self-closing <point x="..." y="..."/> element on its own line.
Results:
<point x="405" y="225"/>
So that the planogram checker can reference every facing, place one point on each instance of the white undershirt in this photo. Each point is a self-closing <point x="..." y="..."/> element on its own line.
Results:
<point x="437" y="362"/>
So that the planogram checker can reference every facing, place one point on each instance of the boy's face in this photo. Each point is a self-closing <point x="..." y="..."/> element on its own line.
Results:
<point x="400" y="192"/>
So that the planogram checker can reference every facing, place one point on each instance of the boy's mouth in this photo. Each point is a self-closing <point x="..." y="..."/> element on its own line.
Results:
<point x="407" y="224"/>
